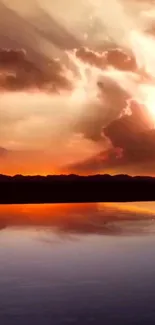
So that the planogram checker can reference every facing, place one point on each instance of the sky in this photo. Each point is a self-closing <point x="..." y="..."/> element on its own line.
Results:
<point x="77" y="81"/>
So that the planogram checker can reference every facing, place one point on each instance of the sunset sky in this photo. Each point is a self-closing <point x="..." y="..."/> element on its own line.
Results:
<point x="77" y="87"/>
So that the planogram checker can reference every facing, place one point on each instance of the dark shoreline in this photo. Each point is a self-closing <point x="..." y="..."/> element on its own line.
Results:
<point x="75" y="189"/>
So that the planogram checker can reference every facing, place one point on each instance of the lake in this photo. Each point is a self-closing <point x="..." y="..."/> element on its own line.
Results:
<point x="77" y="264"/>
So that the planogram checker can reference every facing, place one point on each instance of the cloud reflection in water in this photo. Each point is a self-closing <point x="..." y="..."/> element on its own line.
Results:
<point x="81" y="219"/>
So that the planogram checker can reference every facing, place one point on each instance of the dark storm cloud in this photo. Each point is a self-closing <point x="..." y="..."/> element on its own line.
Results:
<point x="114" y="96"/>
<point x="114" y="56"/>
<point x="133" y="134"/>
<point x="132" y="144"/>
<point x="16" y="33"/>
<point x="18" y="72"/>
<point x="34" y="69"/>
<point x="30" y="33"/>
<point x="93" y="120"/>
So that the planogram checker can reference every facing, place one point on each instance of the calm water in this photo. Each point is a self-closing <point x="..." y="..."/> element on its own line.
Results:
<point x="77" y="264"/>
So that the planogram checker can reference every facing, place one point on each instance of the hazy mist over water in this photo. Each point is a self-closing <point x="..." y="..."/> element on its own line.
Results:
<point x="77" y="264"/>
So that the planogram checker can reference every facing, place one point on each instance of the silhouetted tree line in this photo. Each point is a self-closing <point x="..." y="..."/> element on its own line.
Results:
<point x="74" y="188"/>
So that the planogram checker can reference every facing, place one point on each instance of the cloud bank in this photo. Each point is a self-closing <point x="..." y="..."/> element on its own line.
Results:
<point x="66" y="86"/>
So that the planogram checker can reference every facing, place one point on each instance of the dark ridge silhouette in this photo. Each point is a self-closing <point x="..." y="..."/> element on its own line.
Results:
<point x="74" y="189"/>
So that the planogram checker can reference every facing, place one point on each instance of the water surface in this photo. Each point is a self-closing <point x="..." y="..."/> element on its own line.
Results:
<point x="77" y="264"/>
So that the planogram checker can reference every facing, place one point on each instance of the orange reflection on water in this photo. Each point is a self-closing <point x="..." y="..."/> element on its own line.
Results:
<point x="55" y="215"/>
<point x="79" y="218"/>
<point x="135" y="207"/>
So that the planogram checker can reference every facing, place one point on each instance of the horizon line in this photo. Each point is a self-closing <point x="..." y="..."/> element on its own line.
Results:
<point x="77" y="175"/>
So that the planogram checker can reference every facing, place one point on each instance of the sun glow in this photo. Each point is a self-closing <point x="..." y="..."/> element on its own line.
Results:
<point x="138" y="84"/>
